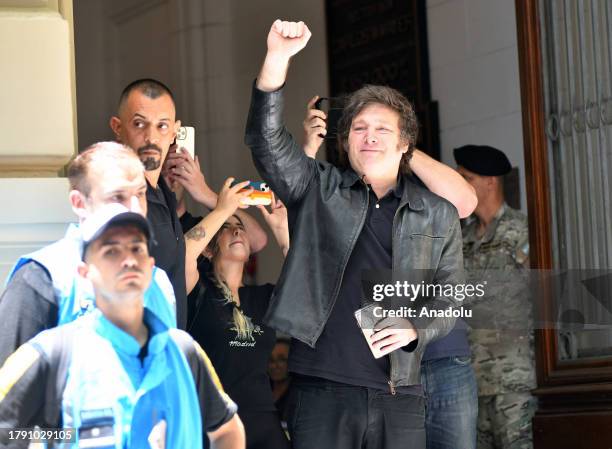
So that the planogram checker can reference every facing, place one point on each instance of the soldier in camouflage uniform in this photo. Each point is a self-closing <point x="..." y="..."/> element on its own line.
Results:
<point x="495" y="245"/>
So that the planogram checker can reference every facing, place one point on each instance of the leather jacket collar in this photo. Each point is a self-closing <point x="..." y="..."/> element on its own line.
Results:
<point x="406" y="189"/>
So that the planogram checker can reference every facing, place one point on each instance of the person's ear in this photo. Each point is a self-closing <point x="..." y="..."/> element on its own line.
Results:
<point x="77" y="201"/>
<point x="207" y="253"/>
<point x="404" y="144"/>
<point x="83" y="269"/>
<point x="498" y="182"/>
<point x="115" y="125"/>
<point x="177" y="125"/>
<point x="491" y="182"/>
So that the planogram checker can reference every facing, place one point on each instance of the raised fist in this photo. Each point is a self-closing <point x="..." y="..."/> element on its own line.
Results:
<point x="287" y="38"/>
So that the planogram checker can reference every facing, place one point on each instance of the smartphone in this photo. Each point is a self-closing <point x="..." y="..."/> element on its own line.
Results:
<point x="367" y="324"/>
<point x="185" y="138"/>
<point x="332" y="106"/>
<point x="261" y="194"/>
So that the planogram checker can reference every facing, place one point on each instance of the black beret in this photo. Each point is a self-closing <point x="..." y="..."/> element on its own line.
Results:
<point x="482" y="160"/>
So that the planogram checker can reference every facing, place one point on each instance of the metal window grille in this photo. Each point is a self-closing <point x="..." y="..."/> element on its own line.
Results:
<point x="577" y="55"/>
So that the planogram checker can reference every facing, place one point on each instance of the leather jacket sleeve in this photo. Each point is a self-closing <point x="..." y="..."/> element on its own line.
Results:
<point x="449" y="272"/>
<point x="278" y="158"/>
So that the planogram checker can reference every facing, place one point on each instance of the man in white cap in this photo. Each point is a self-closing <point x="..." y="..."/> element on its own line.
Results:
<point x="43" y="290"/>
<point x="118" y="377"/>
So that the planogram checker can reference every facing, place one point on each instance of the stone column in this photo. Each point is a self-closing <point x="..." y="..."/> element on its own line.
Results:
<point x="37" y="112"/>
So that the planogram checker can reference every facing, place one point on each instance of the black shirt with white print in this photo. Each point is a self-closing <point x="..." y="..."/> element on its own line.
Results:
<point x="241" y="363"/>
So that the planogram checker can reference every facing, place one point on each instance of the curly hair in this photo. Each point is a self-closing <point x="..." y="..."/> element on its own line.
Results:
<point x="386" y="96"/>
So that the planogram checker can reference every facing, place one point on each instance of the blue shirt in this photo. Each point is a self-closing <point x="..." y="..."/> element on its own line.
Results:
<point x="125" y="391"/>
<point x="74" y="294"/>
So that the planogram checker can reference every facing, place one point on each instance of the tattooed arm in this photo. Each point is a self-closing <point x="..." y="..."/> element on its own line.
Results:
<point x="191" y="177"/>
<point x="198" y="237"/>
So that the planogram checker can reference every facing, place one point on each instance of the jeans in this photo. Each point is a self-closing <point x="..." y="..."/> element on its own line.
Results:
<point x="452" y="403"/>
<point x="331" y="415"/>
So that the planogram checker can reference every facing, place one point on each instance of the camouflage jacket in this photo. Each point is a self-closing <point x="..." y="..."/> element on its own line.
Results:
<point x="501" y="342"/>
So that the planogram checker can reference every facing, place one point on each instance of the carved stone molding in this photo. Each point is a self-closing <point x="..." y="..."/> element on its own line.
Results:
<point x="37" y="93"/>
<point x="28" y="3"/>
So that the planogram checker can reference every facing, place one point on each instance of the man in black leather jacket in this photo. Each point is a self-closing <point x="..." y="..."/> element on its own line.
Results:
<point x="370" y="216"/>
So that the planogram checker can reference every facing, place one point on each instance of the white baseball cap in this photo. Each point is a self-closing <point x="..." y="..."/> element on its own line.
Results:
<point x="111" y="215"/>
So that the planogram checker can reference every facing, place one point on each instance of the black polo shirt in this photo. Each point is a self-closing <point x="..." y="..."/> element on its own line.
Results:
<point x="188" y="222"/>
<point x="169" y="250"/>
<point x="342" y="353"/>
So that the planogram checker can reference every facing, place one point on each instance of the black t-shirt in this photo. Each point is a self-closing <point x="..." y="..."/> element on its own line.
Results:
<point x="342" y="353"/>
<point x="188" y="221"/>
<point x="169" y="247"/>
<point x="34" y="394"/>
<point x="242" y="365"/>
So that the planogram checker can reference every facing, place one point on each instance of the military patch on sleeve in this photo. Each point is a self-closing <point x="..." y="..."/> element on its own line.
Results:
<point x="15" y="367"/>
<point x="522" y="252"/>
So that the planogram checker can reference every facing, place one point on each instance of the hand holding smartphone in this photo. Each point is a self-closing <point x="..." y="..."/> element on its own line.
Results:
<point x="384" y="335"/>
<point x="261" y="194"/>
<point x="332" y="106"/>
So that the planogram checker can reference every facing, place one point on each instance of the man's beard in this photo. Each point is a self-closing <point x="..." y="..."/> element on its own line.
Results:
<point x="150" y="163"/>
